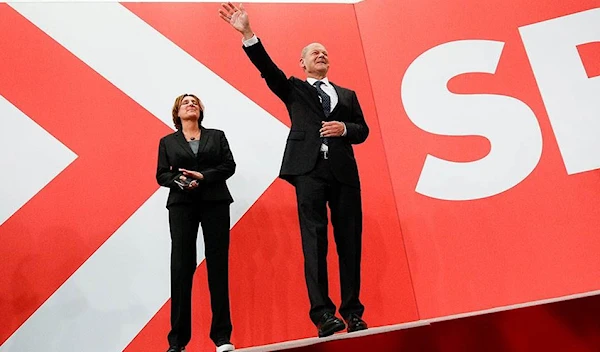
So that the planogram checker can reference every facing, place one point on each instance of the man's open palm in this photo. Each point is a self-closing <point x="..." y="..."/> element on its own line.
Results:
<point x="236" y="17"/>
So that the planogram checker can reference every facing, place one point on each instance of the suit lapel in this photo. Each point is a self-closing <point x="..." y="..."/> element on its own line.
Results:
<point x="204" y="137"/>
<point x="183" y="143"/>
<point x="313" y="97"/>
<point x="342" y="97"/>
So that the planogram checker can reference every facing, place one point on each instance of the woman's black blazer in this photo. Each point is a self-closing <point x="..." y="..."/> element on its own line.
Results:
<point x="214" y="161"/>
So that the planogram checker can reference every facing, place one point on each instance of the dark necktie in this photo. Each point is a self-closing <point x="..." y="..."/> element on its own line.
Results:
<point x="325" y="99"/>
<point x="326" y="102"/>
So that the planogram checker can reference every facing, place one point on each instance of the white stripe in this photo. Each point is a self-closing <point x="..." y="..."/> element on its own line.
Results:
<point x="30" y="159"/>
<point x="152" y="70"/>
<point x="294" y="344"/>
<point x="101" y="306"/>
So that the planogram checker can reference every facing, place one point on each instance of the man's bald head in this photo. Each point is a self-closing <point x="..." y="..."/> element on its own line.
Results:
<point x="314" y="60"/>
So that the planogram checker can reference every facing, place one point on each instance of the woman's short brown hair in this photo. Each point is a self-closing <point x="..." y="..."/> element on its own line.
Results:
<point x="177" y="105"/>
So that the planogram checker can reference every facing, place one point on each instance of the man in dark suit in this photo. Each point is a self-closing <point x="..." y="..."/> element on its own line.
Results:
<point x="319" y="162"/>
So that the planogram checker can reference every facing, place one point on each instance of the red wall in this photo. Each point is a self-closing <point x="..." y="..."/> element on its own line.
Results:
<point x="536" y="240"/>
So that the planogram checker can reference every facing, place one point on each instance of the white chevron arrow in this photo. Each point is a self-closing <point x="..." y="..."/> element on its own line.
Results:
<point x="121" y="287"/>
<point x="30" y="159"/>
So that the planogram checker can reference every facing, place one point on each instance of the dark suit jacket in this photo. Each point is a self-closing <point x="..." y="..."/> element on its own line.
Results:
<point x="214" y="161"/>
<point x="306" y="114"/>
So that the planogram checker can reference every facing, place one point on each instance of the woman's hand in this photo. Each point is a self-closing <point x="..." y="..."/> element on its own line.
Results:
<point x="192" y="174"/>
<point x="193" y="184"/>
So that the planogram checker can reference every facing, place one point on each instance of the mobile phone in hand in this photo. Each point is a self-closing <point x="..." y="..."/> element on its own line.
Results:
<point x="183" y="183"/>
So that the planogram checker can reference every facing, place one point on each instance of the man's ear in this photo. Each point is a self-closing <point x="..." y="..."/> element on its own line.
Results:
<point x="301" y="63"/>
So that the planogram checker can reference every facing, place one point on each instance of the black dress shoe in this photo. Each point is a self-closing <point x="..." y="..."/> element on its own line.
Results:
<point x="176" y="349"/>
<point x="355" y="323"/>
<point x="329" y="325"/>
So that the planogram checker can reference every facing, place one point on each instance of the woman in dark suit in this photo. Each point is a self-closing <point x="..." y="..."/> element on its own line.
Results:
<point x="194" y="163"/>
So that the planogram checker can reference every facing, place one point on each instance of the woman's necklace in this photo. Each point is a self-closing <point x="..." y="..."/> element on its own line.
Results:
<point x="195" y="136"/>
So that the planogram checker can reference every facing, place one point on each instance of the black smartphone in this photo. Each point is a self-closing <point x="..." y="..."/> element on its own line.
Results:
<point x="183" y="183"/>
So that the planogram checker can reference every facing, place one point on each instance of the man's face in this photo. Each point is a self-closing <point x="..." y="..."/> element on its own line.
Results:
<point x="314" y="60"/>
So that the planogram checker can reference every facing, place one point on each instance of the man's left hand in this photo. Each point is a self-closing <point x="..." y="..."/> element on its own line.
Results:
<point x="331" y="129"/>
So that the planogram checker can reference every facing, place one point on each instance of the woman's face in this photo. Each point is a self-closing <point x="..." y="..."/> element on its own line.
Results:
<point x="189" y="109"/>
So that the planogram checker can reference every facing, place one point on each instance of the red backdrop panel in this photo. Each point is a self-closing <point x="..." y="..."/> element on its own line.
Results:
<point x="536" y="240"/>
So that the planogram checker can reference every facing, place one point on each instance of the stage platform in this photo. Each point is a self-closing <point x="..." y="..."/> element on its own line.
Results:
<point x="390" y="328"/>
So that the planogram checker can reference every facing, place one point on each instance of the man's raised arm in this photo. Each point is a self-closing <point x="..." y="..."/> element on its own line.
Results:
<point x="238" y="19"/>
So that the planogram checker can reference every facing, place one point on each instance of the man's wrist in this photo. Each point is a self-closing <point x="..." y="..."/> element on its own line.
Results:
<point x="250" y="41"/>
<point x="248" y="34"/>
